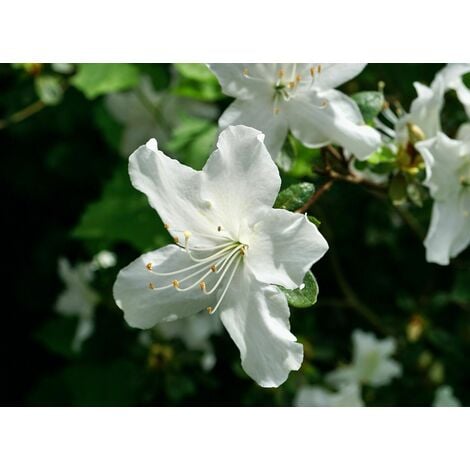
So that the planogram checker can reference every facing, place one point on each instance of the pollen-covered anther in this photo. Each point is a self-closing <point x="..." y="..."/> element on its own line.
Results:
<point x="166" y="226"/>
<point x="210" y="310"/>
<point x="298" y="78"/>
<point x="280" y="73"/>
<point x="151" y="285"/>
<point x="149" y="266"/>
<point x="176" y="239"/>
<point x="187" y="234"/>
<point x="175" y="283"/>
<point x="213" y="268"/>
<point x="202" y="285"/>
<point x="245" y="72"/>
<point x="319" y="68"/>
<point x="243" y="250"/>
<point x="312" y="72"/>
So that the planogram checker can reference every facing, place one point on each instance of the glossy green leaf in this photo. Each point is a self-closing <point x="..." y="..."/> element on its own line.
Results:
<point x="304" y="297"/>
<point x="294" y="197"/>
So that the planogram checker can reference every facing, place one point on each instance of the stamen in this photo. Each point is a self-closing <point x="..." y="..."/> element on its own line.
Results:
<point x="151" y="285"/>
<point x="312" y="72"/>
<point x="176" y="239"/>
<point x="211" y="257"/>
<point x="280" y="73"/>
<point x="149" y="266"/>
<point x="319" y="68"/>
<point x="213" y="310"/>
<point x="245" y="72"/>
<point x="213" y="268"/>
<point x="175" y="283"/>
<point x="166" y="226"/>
<point x="216" y="285"/>
<point x="202" y="285"/>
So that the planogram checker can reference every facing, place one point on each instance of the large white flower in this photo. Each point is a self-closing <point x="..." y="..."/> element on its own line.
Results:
<point x="231" y="250"/>
<point x="448" y="179"/>
<point x="275" y="98"/>
<point x="371" y="363"/>
<point x="348" y="395"/>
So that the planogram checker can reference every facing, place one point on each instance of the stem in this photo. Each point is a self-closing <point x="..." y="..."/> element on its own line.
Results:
<point x="22" y="114"/>
<point x="316" y="195"/>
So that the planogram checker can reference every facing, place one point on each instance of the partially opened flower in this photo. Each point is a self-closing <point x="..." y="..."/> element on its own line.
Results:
<point x="78" y="299"/>
<point x="448" y="179"/>
<point x="371" y="363"/>
<point x="348" y="395"/>
<point x="276" y="98"/>
<point x="231" y="250"/>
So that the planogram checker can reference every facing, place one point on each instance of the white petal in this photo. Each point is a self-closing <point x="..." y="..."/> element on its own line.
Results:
<point x="445" y="397"/>
<point x="173" y="190"/>
<point x="426" y="108"/>
<point x="245" y="81"/>
<point x="144" y="307"/>
<point x="257" y="318"/>
<point x="239" y="176"/>
<point x="85" y="329"/>
<point x="451" y="75"/>
<point x="449" y="231"/>
<point x="334" y="75"/>
<point x="443" y="157"/>
<point x="259" y="114"/>
<point x="464" y="132"/>
<point x="332" y="117"/>
<point x="283" y="247"/>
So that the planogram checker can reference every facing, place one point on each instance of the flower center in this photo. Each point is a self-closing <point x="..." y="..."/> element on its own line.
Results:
<point x="218" y="264"/>
<point x="288" y="84"/>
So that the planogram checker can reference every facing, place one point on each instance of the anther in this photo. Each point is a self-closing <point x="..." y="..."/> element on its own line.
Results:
<point x="213" y="268"/>
<point x="175" y="283"/>
<point x="219" y="228"/>
<point x="210" y="310"/>
<point x="166" y="226"/>
<point x="151" y="285"/>
<point x="319" y="68"/>
<point x="176" y="239"/>
<point x="312" y="72"/>
<point x="298" y="78"/>
<point x="149" y="266"/>
<point x="202" y="285"/>
<point x="186" y="234"/>
<point x="245" y="72"/>
<point x="280" y="73"/>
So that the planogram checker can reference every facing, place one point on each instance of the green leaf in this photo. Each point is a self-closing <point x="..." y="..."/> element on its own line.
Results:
<point x="370" y="103"/>
<point x="461" y="289"/>
<point x="314" y="220"/>
<point x="49" y="89"/>
<point x="193" y="140"/>
<point x="121" y="215"/>
<point x="305" y="297"/>
<point x="294" y="197"/>
<point x="198" y="82"/>
<point x="98" y="79"/>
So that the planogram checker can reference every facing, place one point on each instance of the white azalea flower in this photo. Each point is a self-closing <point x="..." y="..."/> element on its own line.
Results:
<point x="348" y="395"/>
<point x="445" y="397"/>
<point x="78" y="299"/>
<point x="276" y="98"/>
<point x="371" y="363"/>
<point x="231" y="247"/>
<point x="448" y="179"/>
<point x="146" y="113"/>
<point x="104" y="260"/>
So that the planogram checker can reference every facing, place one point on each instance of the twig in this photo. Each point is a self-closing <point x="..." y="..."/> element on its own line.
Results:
<point x="22" y="114"/>
<point x="316" y="195"/>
